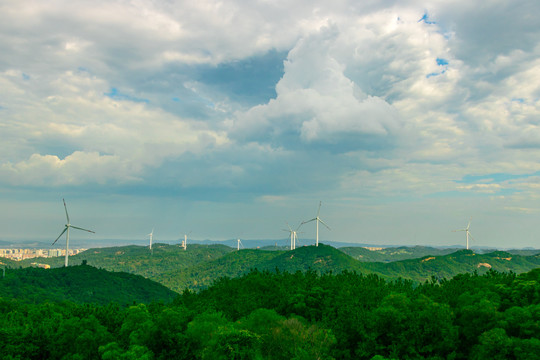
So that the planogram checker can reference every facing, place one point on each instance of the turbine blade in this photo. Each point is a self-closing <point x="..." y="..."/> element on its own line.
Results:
<point x="75" y="227"/>
<point x="62" y="233"/>
<point x="319" y="209"/>
<point x="65" y="207"/>
<point x="322" y="222"/>
<point x="305" y="222"/>
<point x="289" y="226"/>
<point x="469" y="224"/>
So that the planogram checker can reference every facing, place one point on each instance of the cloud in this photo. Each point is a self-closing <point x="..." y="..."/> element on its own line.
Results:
<point x="393" y="96"/>
<point x="316" y="102"/>
<point x="75" y="169"/>
<point x="78" y="134"/>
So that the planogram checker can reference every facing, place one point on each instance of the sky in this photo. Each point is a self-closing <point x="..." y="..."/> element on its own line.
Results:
<point x="228" y="119"/>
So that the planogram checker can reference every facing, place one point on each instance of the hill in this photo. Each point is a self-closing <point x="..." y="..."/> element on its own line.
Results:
<point x="201" y="265"/>
<point x="394" y="253"/>
<point x="81" y="284"/>
<point x="325" y="258"/>
<point x="447" y="266"/>
<point x="321" y="259"/>
<point x="139" y="260"/>
<point x="8" y="263"/>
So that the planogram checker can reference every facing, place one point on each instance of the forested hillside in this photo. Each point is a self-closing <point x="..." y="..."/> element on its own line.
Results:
<point x="200" y="265"/>
<point x="302" y="315"/>
<point x="447" y="266"/>
<point x="325" y="258"/>
<point x="394" y="253"/>
<point x="81" y="284"/>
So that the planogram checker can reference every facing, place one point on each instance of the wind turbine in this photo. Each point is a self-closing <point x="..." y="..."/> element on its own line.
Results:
<point x="184" y="243"/>
<point x="318" y="220"/>
<point x="239" y="242"/>
<point x="467" y="232"/>
<point x="151" y="235"/>
<point x="66" y="230"/>
<point x="294" y="235"/>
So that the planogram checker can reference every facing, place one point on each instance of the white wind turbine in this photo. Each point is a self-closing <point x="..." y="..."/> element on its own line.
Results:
<point x="467" y="232"/>
<point x="184" y="243"/>
<point x="318" y="220"/>
<point x="66" y="230"/>
<point x="294" y="235"/>
<point x="238" y="244"/>
<point x="151" y="236"/>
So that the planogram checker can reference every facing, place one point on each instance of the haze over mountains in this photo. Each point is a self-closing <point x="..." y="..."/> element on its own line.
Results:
<point x="88" y="243"/>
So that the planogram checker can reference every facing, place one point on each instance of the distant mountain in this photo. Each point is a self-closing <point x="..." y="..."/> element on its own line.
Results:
<point x="394" y="253"/>
<point x="323" y="258"/>
<point x="139" y="259"/>
<point x="24" y="244"/>
<point x="201" y="265"/>
<point x="524" y="251"/>
<point x="449" y="265"/>
<point x="81" y="284"/>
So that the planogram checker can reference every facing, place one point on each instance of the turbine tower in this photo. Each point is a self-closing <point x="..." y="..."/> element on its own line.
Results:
<point x="66" y="230"/>
<point x="294" y="235"/>
<point x="467" y="232"/>
<point x="151" y="235"/>
<point x="318" y="220"/>
<point x="239" y="243"/>
<point x="184" y="243"/>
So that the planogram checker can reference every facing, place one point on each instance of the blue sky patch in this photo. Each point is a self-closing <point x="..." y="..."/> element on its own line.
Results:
<point x="117" y="95"/>
<point x="248" y="81"/>
<point x="425" y="18"/>
<point x="442" y="62"/>
<point x="493" y="178"/>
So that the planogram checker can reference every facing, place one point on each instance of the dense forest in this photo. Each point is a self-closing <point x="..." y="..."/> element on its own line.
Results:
<point x="82" y="284"/>
<point x="284" y="315"/>
<point x="200" y="265"/>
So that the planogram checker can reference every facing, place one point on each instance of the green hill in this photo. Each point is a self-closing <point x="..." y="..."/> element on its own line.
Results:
<point x="321" y="259"/>
<point x="200" y="265"/>
<point x="328" y="259"/>
<point x="394" y="253"/>
<point x="81" y="284"/>
<point x="139" y="260"/>
<point x="447" y="266"/>
<point x="8" y="263"/>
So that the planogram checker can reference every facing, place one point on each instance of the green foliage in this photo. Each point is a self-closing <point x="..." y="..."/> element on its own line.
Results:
<point x="81" y="284"/>
<point x="394" y="253"/>
<point x="200" y="265"/>
<point x="273" y="313"/>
